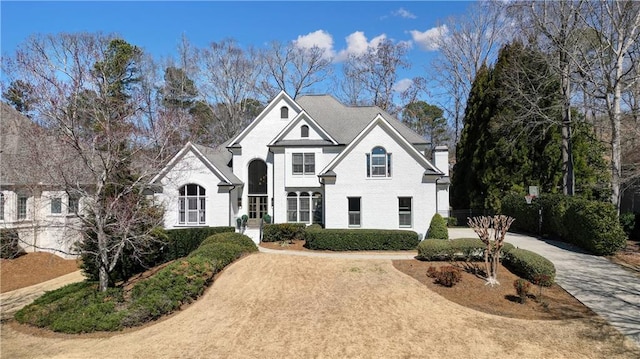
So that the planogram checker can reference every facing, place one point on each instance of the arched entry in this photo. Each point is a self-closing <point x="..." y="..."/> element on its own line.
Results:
<point x="257" y="191"/>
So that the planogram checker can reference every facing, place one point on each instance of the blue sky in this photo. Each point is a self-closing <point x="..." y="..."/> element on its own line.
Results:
<point x="157" y="26"/>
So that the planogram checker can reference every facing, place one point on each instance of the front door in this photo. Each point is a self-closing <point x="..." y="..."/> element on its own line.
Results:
<point x="257" y="209"/>
<point x="258" y="197"/>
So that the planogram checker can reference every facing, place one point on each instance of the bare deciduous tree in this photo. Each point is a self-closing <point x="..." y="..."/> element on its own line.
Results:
<point x="491" y="231"/>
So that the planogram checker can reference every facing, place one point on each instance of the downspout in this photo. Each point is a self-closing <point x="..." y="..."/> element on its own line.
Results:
<point x="273" y="186"/>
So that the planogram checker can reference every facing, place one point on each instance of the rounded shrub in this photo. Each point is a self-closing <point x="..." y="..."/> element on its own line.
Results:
<point x="438" y="228"/>
<point x="530" y="265"/>
<point x="595" y="227"/>
<point x="283" y="232"/>
<point x="232" y="237"/>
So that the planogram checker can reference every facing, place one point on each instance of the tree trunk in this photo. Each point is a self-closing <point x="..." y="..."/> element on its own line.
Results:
<point x="103" y="254"/>
<point x="567" y="156"/>
<point x="616" y="162"/>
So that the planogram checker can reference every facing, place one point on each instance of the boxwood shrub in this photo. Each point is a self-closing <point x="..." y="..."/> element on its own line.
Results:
<point x="438" y="228"/>
<point x="530" y="266"/>
<point x="283" y="232"/>
<point x="232" y="237"/>
<point x="471" y="249"/>
<point x="361" y="239"/>
<point x="183" y="241"/>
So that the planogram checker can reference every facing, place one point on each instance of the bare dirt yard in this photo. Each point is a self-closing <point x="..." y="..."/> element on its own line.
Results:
<point x="275" y="306"/>
<point x="33" y="268"/>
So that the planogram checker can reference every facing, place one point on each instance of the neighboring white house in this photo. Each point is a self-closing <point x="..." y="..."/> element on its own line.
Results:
<point x="31" y="198"/>
<point x="312" y="160"/>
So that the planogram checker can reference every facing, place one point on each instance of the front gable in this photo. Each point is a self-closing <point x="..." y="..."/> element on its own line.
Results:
<point x="274" y="114"/>
<point x="378" y="133"/>
<point x="303" y="129"/>
<point x="189" y="159"/>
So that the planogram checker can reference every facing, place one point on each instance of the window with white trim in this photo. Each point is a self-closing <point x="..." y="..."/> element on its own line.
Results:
<point x="22" y="207"/>
<point x="191" y="205"/>
<point x="354" y="211"/>
<point x="73" y="205"/>
<point x="299" y="207"/>
<point x="1" y="206"/>
<point x="303" y="163"/>
<point x="304" y="131"/>
<point x="378" y="163"/>
<point x="56" y="205"/>
<point x="284" y="112"/>
<point x="404" y="211"/>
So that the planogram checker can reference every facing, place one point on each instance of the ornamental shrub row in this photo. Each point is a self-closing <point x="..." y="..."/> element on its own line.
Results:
<point x="591" y="225"/>
<point x="470" y="249"/>
<point x="283" y="232"/>
<point x="80" y="308"/>
<point x="530" y="266"/>
<point x="361" y="239"/>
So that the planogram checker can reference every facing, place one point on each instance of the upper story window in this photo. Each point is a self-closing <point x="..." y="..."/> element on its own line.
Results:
<point x="304" y="163"/>
<point x="378" y="163"/>
<point x="284" y="112"/>
<point x="1" y="207"/>
<point x="73" y="205"/>
<point x="304" y="131"/>
<point x="56" y="205"/>
<point x="22" y="207"/>
<point x="191" y="205"/>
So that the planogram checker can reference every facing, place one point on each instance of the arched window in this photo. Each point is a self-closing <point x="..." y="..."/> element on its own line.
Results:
<point x="305" y="207"/>
<point x="191" y="205"/>
<point x="304" y="131"/>
<point x="378" y="163"/>
<point x="284" y="112"/>
<point x="292" y="207"/>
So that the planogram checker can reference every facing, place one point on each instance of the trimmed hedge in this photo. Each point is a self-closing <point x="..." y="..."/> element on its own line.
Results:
<point x="183" y="241"/>
<point x="471" y="249"/>
<point x="438" y="228"/>
<point x="80" y="308"/>
<point x="530" y="265"/>
<point x="591" y="225"/>
<point x="283" y="232"/>
<point x="361" y="239"/>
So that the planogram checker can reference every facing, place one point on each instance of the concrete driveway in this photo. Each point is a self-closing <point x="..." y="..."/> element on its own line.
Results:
<point x="605" y="287"/>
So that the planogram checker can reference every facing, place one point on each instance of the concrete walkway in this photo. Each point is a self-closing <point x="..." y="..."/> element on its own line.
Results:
<point x="606" y="288"/>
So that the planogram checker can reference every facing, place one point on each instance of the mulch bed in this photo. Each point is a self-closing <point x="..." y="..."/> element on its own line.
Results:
<point x="292" y="246"/>
<point x="471" y="291"/>
<point x="33" y="268"/>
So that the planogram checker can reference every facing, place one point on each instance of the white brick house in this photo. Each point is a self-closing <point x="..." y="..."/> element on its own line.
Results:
<point x="312" y="160"/>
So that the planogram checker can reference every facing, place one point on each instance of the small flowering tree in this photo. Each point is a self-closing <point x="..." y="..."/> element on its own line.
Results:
<point x="491" y="231"/>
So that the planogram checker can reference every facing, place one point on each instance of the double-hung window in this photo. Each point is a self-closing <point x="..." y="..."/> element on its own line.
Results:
<point x="299" y="207"/>
<point x="304" y="163"/>
<point x="22" y="207"/>
<point x="1" y="207"/>
<point x="378" y="163"/>
<point x="191" y="205"/>
<point x="74" y="205"/>
<point x="56" y="205"/>
<point x="404" y="211"/>
<point x="354" y="211"/>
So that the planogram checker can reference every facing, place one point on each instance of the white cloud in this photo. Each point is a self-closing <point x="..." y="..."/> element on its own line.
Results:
<point x="429" y="40"/>
<point x="319" y="38"/>
<point x="402" y="85"/>
<point x="357" y="44"/>
<point x="404" y="13"/>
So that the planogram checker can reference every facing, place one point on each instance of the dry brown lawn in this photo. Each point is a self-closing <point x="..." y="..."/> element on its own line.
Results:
<point x="33" y="268"/>
<point x="275" y="306"/>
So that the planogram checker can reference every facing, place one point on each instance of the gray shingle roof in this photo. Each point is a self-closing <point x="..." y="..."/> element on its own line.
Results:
<point x="220" y="157"/>
<point x="344" y="123"/>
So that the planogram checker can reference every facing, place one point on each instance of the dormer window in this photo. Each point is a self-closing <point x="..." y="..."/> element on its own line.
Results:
<point x="304" y="131"/>
<point x="284" y="112"/>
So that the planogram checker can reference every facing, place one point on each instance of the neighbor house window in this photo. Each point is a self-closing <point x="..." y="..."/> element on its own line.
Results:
<point x="73" y="205"/>
<point x="22" y="207"/>
<point x="404" y="211"/>
<point x="304" y="131"/>
<point x="191" y="205"/>
<point x="56" y="205"/>
<point x="292" y="207"/>
<point x="1" y="207"/>
<point x="378" y="163"/>
<point x="304" y="163"/>
<point x="354" y="211"/>
<point x="284" y="112"/>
